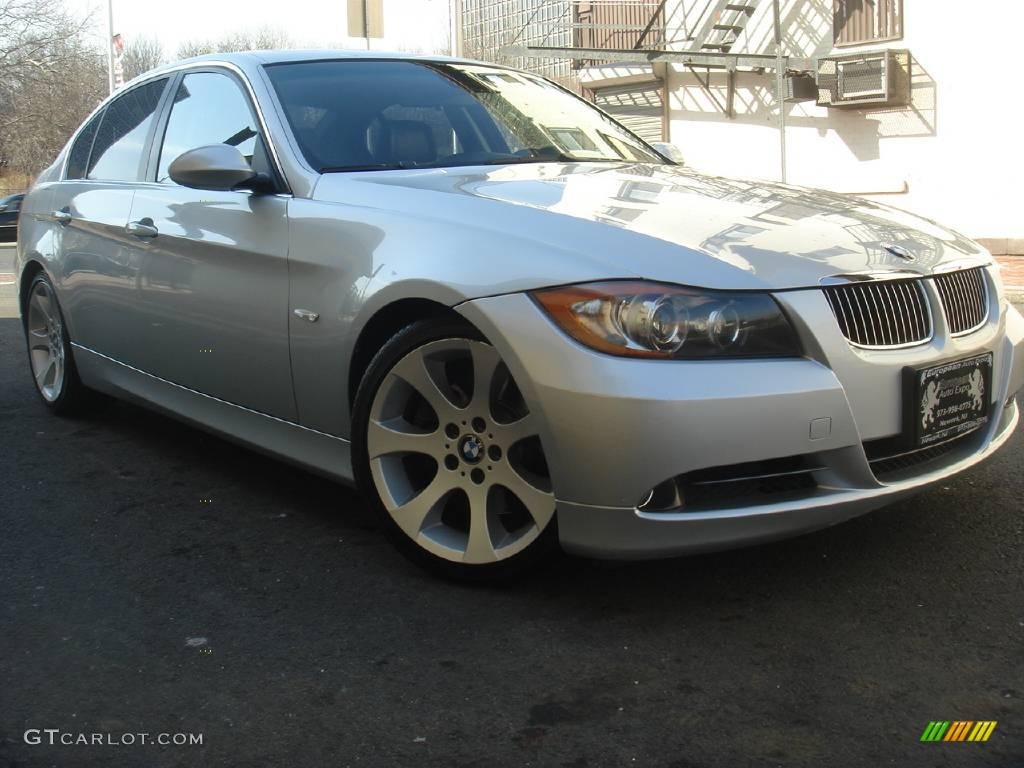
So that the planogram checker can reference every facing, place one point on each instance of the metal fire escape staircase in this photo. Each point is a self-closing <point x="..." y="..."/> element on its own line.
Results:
<point x="722" y="24"/>
<point x="710" y="43"/>
<point x="710" y="39"/>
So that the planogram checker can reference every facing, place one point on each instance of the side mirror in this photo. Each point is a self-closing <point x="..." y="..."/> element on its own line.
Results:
<point x="669" y="151"/>
<point x="218" y="167"/>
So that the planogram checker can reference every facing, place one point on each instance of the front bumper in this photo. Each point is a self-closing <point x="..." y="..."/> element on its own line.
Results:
<point x="611" y="532"/>
<point x="614" y="428"/>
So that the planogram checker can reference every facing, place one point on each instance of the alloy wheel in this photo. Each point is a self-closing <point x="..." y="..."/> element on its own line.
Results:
<point x="455" y="454"/>
<point x="46" y="341"/>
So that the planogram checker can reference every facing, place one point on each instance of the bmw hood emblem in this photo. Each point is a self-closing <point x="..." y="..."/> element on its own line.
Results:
<point x="901" y="252"/>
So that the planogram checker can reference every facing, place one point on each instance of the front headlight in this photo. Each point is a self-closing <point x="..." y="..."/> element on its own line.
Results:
<point x="640" y="319"/>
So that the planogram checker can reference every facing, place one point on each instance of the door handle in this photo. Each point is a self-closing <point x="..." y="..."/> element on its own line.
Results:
<point x="62" y="216"/>
<point x="143" y="228"/>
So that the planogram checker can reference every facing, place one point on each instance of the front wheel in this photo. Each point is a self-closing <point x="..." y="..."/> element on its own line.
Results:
<point x="447" y="451"/>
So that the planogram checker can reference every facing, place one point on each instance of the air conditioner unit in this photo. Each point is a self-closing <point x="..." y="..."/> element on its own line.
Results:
<point x="869" y="79"/>
<point x="800" y="88"/>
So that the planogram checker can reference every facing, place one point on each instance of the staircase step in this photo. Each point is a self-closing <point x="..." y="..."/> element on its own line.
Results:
<point x="728" y="28"/>
<point x="747" y="9"/>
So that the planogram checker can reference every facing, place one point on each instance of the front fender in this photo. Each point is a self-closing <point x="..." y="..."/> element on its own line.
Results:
<point x="349" y="262"/>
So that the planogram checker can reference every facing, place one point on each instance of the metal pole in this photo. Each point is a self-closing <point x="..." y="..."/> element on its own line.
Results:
<point x="110" y="44"/>
<point x="780" y="84"/>
<point x="455" y="26"/>
<point x="366" y="23"/>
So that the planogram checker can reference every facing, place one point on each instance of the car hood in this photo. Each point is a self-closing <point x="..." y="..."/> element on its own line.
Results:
<point x="669" y="223"/>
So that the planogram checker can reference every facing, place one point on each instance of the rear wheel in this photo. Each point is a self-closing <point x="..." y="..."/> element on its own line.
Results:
<point x="448" y="453"/>
<point x="49" y="349"/>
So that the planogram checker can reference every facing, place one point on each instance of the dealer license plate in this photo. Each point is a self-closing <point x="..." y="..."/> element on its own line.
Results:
<point x="949" y="399"/>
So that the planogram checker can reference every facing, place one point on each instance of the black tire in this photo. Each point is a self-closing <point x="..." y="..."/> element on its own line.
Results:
<point x="73" y="395"/>
<point x="532" y="558"/>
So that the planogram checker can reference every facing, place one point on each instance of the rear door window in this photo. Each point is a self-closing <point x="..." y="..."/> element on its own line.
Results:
<point x="78" y="157"/>
<point x="121" y="137"/>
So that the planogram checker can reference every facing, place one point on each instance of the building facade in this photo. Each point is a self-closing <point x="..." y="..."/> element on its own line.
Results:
<point x="485" y="27"/>
<point x="908" y="102"/>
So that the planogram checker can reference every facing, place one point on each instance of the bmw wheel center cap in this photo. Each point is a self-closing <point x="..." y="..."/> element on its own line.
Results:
<point x="471" y="449"/>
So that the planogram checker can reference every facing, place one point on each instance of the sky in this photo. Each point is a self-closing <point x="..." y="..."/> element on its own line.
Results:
<point x="410" y="25"/>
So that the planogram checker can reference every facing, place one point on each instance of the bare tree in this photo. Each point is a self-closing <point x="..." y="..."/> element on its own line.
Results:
<point x="262" y="39"/>
<point x="51" y="77"/>
<point x="141" y="55"/>
<point x="191" y="48"/>
<point x="268" y="39"/>
<point x="30" y="31"/>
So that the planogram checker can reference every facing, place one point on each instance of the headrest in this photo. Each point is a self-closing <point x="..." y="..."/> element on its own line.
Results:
<point x="409" y="141"/>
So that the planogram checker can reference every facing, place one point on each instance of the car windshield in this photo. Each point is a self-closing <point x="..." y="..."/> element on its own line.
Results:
<point x="354" y="115"/>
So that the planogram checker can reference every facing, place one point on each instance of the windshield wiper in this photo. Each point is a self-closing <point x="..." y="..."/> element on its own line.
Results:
<point x="551" y="152"/>
<point x="538" y="156"/>
<point x="559" y="158"/>
<point x="369" y="167"/>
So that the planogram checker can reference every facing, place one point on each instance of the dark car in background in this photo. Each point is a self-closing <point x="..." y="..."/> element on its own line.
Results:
<point x="9" y="209"/>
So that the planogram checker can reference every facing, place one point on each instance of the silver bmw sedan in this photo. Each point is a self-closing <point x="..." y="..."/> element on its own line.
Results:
<point x="512" y="323"/>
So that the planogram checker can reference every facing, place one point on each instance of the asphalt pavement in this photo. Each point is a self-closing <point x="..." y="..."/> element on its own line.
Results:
<point x="8" y="304"/>
<point x="155" y="579"/>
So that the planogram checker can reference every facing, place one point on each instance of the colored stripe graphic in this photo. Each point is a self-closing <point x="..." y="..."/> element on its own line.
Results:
<point x="983" y="730"/>
<point x="958" y="730"/>
<point x="935" y="730"/>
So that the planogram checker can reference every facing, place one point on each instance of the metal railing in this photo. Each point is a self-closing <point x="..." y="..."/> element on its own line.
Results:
<point x="488" y="26"/>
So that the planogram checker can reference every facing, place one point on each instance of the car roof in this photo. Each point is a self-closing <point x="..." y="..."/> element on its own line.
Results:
<point x="243" y="58"/>
<point x="248" y="61"/>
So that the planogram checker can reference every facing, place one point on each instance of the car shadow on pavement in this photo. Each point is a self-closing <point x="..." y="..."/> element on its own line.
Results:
<point x="149" y="449"/>
<point x="156" y="458"/>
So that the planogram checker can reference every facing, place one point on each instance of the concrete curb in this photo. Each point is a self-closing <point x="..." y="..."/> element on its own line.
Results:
<point x="1002" y="246"/>
<point x="1012" y="269"/>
